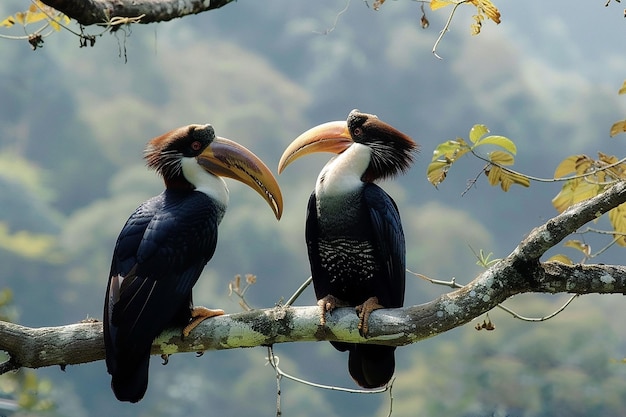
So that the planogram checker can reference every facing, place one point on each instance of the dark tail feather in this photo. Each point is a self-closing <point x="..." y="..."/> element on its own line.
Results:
<point x="372" y="366"/>
<point x="130" y="379"/>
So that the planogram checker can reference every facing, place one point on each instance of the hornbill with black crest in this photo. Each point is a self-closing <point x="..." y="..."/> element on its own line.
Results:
<point x="353" y="232"/>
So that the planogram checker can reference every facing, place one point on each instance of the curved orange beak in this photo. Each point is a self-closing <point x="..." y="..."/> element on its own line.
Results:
<point x="226" y="158"/>
<point x="328" y="137"/>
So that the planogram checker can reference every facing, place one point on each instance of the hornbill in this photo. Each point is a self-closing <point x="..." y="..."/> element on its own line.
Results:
<point x="165" y="244"/>
<point x="353" y="232"/>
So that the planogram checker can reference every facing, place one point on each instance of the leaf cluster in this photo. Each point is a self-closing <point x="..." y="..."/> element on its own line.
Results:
<point x="583" y="177"/>
<point x="451" y="151"/>
<point x="484" y="9"/>
<point x="36" y="13"/>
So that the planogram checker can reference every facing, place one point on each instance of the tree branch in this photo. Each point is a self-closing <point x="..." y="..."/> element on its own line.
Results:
<point x="94" y="12"/>
<point x="82" y="342"/>
<point x="520" y="272"/>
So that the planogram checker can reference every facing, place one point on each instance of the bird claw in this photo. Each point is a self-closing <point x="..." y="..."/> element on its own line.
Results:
<point x="327" y="305"/>
<point x="363" y="311"/>
<point x="198" y="315"/>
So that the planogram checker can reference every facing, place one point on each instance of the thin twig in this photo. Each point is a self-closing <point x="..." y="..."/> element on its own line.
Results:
<point x="270" y="352"/>
<point x="446" y="27"/>
<point x="610" y="244"/>
<point x="391" y="397"/>
<point x="537" y="319"/>
<point x="327" y="31"/>
<point x="472" y="183"/>
<point x="452" y="283"/>
<point x="274" y="360"/>
<point x="537" y="179"/>
<point x="299" y="291"/>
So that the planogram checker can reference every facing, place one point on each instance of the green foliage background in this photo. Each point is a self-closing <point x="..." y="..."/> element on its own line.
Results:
<point x="73" y="124"/>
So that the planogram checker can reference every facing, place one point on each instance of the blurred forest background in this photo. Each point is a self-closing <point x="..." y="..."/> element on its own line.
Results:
<point x="74" y="121"/>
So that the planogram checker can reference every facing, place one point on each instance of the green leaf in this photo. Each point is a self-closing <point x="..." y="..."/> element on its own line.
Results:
<point x="444" y="156"/>
<point x="501" y="141"/>
<point x="450" y="150"/>
<point x="476" y="132"/>
<point x="437" y="172"/>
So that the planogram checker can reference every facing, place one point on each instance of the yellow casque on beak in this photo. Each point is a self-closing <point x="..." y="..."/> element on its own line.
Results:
<point x="226" y="158"/>
<point x="328" y="137"/>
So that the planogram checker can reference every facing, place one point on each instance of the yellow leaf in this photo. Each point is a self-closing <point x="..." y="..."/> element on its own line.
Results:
<point x="488" y="8"/>
<point x="617" y="217"/>
<point x="614" y="173"/>
<point x="494" y="174"/>
<point x="566" y="167"/>
<point x="477" y="132"/>
<point x="575" y="164"/>
<point x="561" y="258"/>
<point x="584" y="164"/>
<point x="518" y="179"/>
<point x="8" y="22"/>
<point x="623" y="89"/>
<point x="501" y="158"/>
<point x="438" y="4"/>
<point x="19" y="17"/>
<point x="506" y="178"/>
<point x="35" y="17"/>
<point x="579" y="245"/>
<point x="55" y="25"/>
<point x="575" y="191"/>
<point x="607" y="159"/>
<point x="617" y="128"/>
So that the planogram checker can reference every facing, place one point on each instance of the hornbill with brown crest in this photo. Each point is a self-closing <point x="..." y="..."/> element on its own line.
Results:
<point x="165" y="244"/>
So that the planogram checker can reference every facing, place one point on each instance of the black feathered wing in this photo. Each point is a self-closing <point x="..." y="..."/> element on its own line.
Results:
<point x="389" y="241"/>
<point x="372" y="366"/>
<point x="159" y="255"/>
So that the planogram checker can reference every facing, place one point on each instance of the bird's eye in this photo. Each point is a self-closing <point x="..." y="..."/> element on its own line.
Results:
<point x="196" y="145"/>
<point x="358" y="131"/>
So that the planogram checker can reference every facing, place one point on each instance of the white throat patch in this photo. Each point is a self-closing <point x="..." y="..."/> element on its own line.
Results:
<point x="343" y="173"/>
<point x="204" y="181"/>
